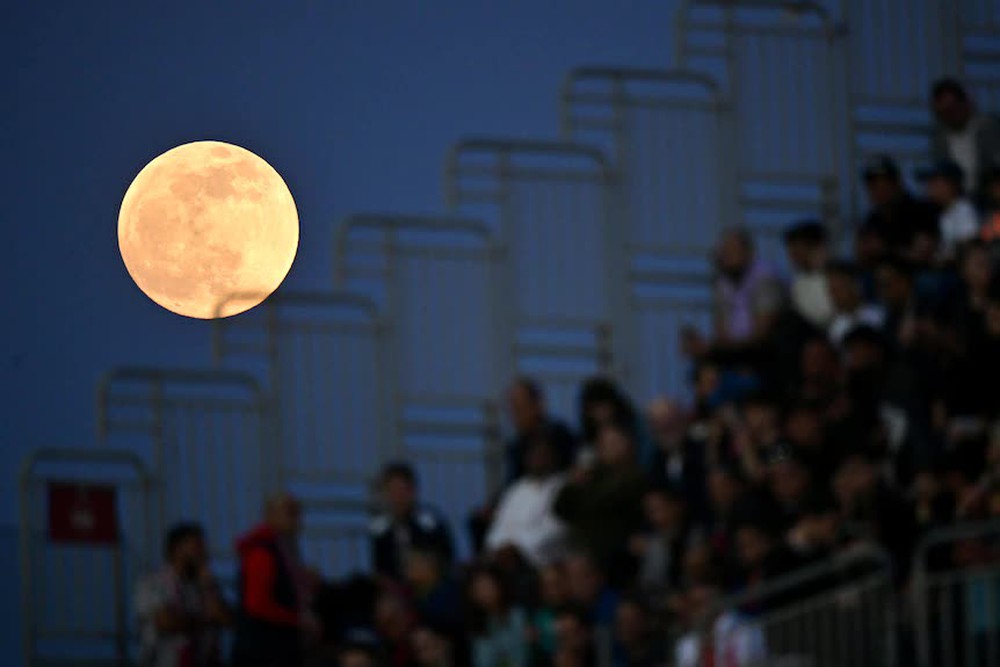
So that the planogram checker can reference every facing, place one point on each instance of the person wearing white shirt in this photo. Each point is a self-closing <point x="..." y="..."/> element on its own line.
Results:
<point x="959" y="221"/>
<point x="806" y="249"/>
<point x="850" y="310"/>
<point x="524" y="518"/>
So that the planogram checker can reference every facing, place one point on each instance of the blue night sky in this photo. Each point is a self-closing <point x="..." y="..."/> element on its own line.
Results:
<point x="353" y="102"/>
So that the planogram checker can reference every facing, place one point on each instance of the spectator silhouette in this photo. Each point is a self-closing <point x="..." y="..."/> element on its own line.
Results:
<point x="405" y="525"/>
<point x="602" y="504"/>
<point x="499" y="627"/>
<point x="524" y="519"/>
<point x="964" y="135"/>
<point x="179" y="608"/>
<point x="273" y="590"/>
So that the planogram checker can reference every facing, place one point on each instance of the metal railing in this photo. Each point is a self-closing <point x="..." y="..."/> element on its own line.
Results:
<point x="202" y="434"/>
<point x="840" y="611"/>
<point x="75" y="598"/>
<point x="956" y="596"/>
<point x="552" y="207"/>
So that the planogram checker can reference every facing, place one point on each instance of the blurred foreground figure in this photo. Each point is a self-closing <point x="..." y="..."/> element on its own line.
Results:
<point x="179" y="608"/>
<point x="274" y="589"/>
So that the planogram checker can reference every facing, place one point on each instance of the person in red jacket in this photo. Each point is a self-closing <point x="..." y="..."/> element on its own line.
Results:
<point x="273" y="590"/>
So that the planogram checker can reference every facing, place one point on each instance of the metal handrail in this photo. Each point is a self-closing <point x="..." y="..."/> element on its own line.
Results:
<point x="863" y="553"/>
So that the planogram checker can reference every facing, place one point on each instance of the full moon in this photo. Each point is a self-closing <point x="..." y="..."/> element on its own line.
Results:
<point x="208" y="230"/>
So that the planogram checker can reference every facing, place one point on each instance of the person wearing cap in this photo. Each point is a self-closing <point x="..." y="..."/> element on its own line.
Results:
<point x="896" y="216"/>
<point x="958" y="222"/>
<point x="964" y="135"/>
<point x="806" y="248"/>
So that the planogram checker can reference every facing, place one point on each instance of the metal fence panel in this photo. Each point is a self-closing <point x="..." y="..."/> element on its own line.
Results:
<point x="667" y="300"/>
<point x="667" y="134"/>
<point x="563" y="267"/>
<point x="434" y="277"/>
<point x="956" y="596"/>
<point x="790" y="124"/>
<point x="75" y="598"/>
<point x="201" y="433"/>
<point x="838" y="612"/>
<point x="320" y="355"/>
<point x="979" y="24"/>
<point x="454" y="447"/>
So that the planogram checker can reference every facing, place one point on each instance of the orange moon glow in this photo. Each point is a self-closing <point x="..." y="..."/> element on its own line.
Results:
<point x="208" y="230"/>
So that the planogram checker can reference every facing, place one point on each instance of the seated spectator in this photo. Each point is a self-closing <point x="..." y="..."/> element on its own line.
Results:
<point x="274" y="590"/>
<point x="405" y="524"/>
<point x="790" y="480"/>
<point x="394" y="623"/>
<point x="748" y="298"/>
<point x="528" y="413"/>
<point x="524" y="519"/>
<point x="499" y="628"/>
<point x="357" y="654"/>
<point x="602" y="504"/>
<point x="958" y="221"/>
<point x="602" y="403"/>
<point x="715" y="638"/>
<point x="868" y="251"/>
<point x="873" y="510"/>
<point x="818" y="531"/>
<point x="432" y="649"/>
<point x="820" y="373"/>
<point x="850" y="310"/>
<point x="726" y="489"/>
<point x="661" y="549"/>
<point x="932" y="505"/>
<point x="179" y="608"/>
<point x="677" y="460"/>
<point x="963" y="135"/>
<point x="554" y="593"/>
<point x="805" y="433"/>
<point x="761" y="551"/>
<point x="895" y="215"/>
<point x="576" y="644"/>
<point x="588" y="589"/>
<point x="806" y="248"/>
<point x="435" y="594"/>
<point x="636" y="644"/>
<point x="755" y="430"/>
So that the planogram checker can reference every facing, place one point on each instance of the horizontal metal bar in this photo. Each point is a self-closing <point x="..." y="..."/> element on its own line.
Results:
<point x="62" y="455"/>
<point x="511" y="147"/>
<point x="559" y="350"/>
<point x="194" y="376"/>
<point x="404" y="221"/>
<point x="952" y="534"/>
<point x="626" y="74"/>
<point x="534" y="173"/>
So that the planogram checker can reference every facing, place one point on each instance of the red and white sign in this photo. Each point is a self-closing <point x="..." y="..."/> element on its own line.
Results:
<point x="83" y="513"/>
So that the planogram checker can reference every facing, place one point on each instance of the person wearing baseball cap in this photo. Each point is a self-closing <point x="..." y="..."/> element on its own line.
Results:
<point x="896" y="216"/>
<point x="958" y="221"/>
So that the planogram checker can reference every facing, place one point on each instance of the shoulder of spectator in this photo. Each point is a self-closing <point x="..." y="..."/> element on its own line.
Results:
<point x="379" y="525"/>
<point x="429" y="519"/>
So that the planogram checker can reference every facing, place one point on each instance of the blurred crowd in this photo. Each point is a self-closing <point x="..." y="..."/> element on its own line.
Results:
<point x="851" y="400"/>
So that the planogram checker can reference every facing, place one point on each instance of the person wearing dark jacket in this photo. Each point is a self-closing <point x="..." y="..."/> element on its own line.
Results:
<point x="895" y="215"/>
<point x="273" y="588"/>
<point x="677" y="460"/>
<point x="405" y="525"/>
<point x="602" y="504"/>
